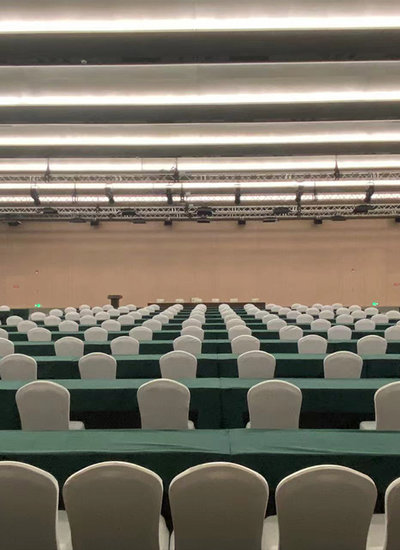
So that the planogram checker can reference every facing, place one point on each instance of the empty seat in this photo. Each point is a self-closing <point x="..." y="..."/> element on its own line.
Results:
<point x="57" y="312"/>
<point x="312" y="344"/>
<point x="116" y="505"/>
<point x="380" y="319"/>
<point x="88" y="321"/>
<point x="141" y="334"/>
<point x="125" y="320"/>
<point x="178" y="364"/>
<point x="290" y="333"/>
<point x="276" y="324"/>
<point x="84" y="306"/>
<point x="124" y="345"/>
<point x="111" y="325"/>
<point x="69" y="309"/>
<point x="387" y="409"/>
<point x="339" y="332"/>
<point x="18" y="367"/>
<point x="393" y="315"/>
<point x="235" y="323"/>
<point x="354" y="308"/>
<point x="244" y="343"/>
<point x="392" y="334"/>
<point x="218" y="506"/>
<point x="96" y="334"/>
<point x="39" y="335"/>
<point x="239" y="330"/>
<point x="268" y="317"/>
<point x="5" y="308"/>
<point x="293" y="314"/>
<point x="284" y="311"/>
<point x="364" y="324"/>
<point x="98" y="365"/>
<point x="164" y="405"/>
<point x="197" y="332"/>
<point x="29" y="509"/>
<point x="371" y="311"/>
<point x="37" y="316"/>
<point x="371" y="345"/>
<point x="4" y="334"/>
<point x="344" y="319"/>
<point x="314" y="311"/>
<point x="86" y="312"/>
<point x="25" y="326"/>
<point x="343" y="364"/>
<point x="68" y="346"/>
<point x="274" y="404"/>
<point x="13" y="320"/>
<point x="190" y="344"/>
<point x="323" y="507"/>
<point x="359" y="314"/>
<point x="6" y="347"/>
<point x="96" y="310"/>
<point x="68" y="326"/>
<point x="45" y="406"/>
<point x="102" y="316"/>
<point x="256" y="364"/>
<point x="327" y="314"/>
<point x="52" y="321"/>
<point x="164" y="319"/>
<point x="123" y="310"/>
<point x="384" y="529"/>
<point x="321" y="325"/>
<point x="72" y="316"/>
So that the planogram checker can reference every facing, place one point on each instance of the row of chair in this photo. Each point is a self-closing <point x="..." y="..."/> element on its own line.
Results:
<point x="217" y="505"/>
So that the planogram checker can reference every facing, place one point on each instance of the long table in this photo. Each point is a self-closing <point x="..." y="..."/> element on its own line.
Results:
<point x="215" y="402"/>
<point x="288" y="365"/>
<point x="274" y="454"/>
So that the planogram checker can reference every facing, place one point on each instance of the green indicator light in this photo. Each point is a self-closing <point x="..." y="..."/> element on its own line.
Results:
<point x="375" y="303"/>
<point x="38" y="305"/>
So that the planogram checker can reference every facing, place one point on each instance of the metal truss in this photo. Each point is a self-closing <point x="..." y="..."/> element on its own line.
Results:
<point x="195" y="213"/>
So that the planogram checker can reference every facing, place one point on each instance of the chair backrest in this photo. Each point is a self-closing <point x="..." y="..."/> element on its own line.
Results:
<point x="284" y="311"/>
<point x="339" y="332"/>
<point x="111" y="325"/>
<point x="371" y="345"/>
<point x="371" y="310"/>
<point x="312" y="344"/>
<point x="86" y="311"/>
<point x="387" y="407"/>
<point x="364" y="324"/>
<point x="28" y="507"/>
<point x="218" y="506"/>
<point x="238" y="330"/>
<point x="96" y="334"/>
<point x="304" y="319"/>
<point x="57" y="312"/>
<point x="268" y="317"/>
<point x="124" y="345"/>
<point x="6" y="347"/>
<point x="97" y="309"/>
<point x="290" y="333"/>
<point x="43" y="405"/>
<point x="68" y="326"/>
<point x="256" y="364"/>
<point x="37" y="316"/>
<point x="18" y="367"/>
<point x="312" y="311"/>
<point x="344" y="319"/>
<point x="125" y="320"/>
<point x="343" y="364"/>
<point x="52" y="321"/>
<point x="141" y="334"/>
<point x="380" y="319"/>
<point x="152" y="324"/>
<point x="178" y="364"/>
<point x="13" y="320"/>
<point x="164" y="405"/>
<point x="114" y="505"/>
<point x="25" y="326"/>
<point x="5" y="308"/>
<point x="325" y="507"/>
<point x="84" y="306"/>
<point x="244" y="343"/>
<point x="293" y="314"/>
<point x="354" y="308"/>
<point x="197" y="332"/>
<point x="136" y="315"/>
<point x="39" y="334"/>
<point x="72" y="316"/>
<point x="102" y="316"/>
<point x="235" y="323"/>
<point x="321" y="325"/>
<point x="68" y="346"/>
<point x="98" y="365"/>
<point x="3" y="334"/>
<point x="392" y="333"/>
<point x="274" y="404"/>
<point x="164" y="319"/>
<point x="359" y="314"/>
<point x="187" y="343"/>
<point x="123" y="310"/>
<point x="88" y="321"/>
<point x="69" y="309"/>
<point x="392" y="509"/>
<point x="276" y="324"/>
<point x="192" y="322"/>
<point x="107" y="307"/>
<point x="132" y="307"/>
<point x="327" y="314"/>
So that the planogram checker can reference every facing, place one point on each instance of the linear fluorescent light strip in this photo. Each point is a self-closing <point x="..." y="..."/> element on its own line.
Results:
<point x="195" y="24"/>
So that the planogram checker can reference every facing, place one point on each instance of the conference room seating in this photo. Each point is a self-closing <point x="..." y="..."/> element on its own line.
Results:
<point x="72" y="316"/>
<point x="269" y="316"/>
<point x="304" y="319"/>
<point x="13" y="320"/>
<point x="384" y="532"/>
<point x="68" y="326"/>
<point x="218" y="506"/>
<point x="164" y="405"/>
<point x="178" y="364"/>
<point x="97" y="365"/>
<point x="3" y="334"/>
<point x="343" y="364"/>
<point x="96" y="334"/>
<point x="37" y="316"/>
<point x="197" y="332"/>
<point x="387" y="409"/>
<point x="29" y="509"/>
<point x="97" y="309"/>
<point x="371" y="345"/>
<point x="358" y="314"/>
<point x="322" y="507"/>
<point x="380" y="319"/>
<point x="39" y="334"/>
<point x="153" y="324"/>
<point x="276" y="324"/>
<point x="371" y="311"/>
<point x="6" y="347"/>
<point x="141" y="334"/>
<point x="293" y="314"/>
<point x="188" y="343"/>
<point x="18" y="367"/>
<point x="274" y="405"/>
<point x="164" y="319"/>
<point x="69" y="309"/>
<point x="45" y="406"/>
<point x="84" y="306"/>
<point x="364" y="324"/>
<point x="320" y="325"/>
<point x="68" y="346"/>
<point x="244" y="343"/>
<point x="25" y="326"/>
<point x="393" y="315"/>
<point x="290" y="333"/>
<point x="234" y="323"/>
<point x="312" y="344"/>
<point x="344" y="319"/>
<point x="339" y="332"/>
<point x="111" y="325"/>
<point x="51" y="321"/>
<point x="327" y="314"/>
<point x="124" y="345"/>
<point x="57" y="312"/>
<point x="256" y="364"/>
<point x="87" y="321"/>
<point x="102" y="316"/>
<point x="116" y="505"/>
<point x="392" y="333"/>
<point x="238" y="330"/>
